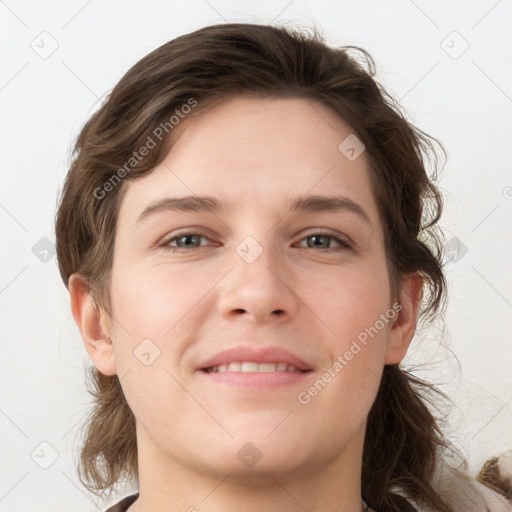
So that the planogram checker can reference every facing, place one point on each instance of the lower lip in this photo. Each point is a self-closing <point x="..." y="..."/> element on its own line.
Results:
<point x="257" y="379"/>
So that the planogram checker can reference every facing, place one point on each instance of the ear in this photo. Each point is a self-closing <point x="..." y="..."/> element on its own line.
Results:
<point x="93" y="325"/>
<point x="402" y="330"/>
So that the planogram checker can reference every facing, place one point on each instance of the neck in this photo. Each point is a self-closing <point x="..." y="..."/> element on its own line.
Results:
<point x="167" y="484"/>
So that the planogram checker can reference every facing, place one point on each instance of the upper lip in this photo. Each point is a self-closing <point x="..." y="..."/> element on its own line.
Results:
<point x="269" y="354"/>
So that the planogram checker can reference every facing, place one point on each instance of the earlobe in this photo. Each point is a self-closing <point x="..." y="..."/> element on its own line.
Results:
<point x="88" y="318"/>
<point x="402" y="331"/>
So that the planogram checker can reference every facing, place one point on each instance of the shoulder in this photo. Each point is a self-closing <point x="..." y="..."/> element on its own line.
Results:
<point x="465" y="494"/>
<point x="122" y="506"/>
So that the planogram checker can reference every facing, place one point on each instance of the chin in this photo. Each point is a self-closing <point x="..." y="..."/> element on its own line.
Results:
<point x="256" y="467"/>
<point x="254" y="454"/>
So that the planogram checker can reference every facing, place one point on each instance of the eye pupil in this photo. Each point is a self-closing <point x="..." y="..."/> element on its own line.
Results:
<point x="316" y="238"/>
<point x="186" y="237"/>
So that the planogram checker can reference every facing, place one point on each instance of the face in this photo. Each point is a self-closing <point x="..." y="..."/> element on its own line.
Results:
<point x="252" y="279"/>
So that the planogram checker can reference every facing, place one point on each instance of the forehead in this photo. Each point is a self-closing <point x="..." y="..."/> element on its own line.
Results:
<point x="256" y="152"/>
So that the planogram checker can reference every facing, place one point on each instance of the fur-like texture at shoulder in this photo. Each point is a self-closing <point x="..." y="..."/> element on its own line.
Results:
<point x="496" y="474"/>
<point x="491" y="491"/>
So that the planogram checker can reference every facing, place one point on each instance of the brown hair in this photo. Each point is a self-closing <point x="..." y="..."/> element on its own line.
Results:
<point x="210" y="65"/>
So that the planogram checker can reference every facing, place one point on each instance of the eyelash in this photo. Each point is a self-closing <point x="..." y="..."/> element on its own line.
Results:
<point x="330" y="234"/>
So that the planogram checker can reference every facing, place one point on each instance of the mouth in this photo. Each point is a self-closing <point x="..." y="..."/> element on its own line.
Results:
<point x="253" y="367"/>
<point x="250" y="375"/>
<point x="245" y="366"/>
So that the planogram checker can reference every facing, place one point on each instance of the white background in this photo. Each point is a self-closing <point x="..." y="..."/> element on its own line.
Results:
<point x="464" y="98"/>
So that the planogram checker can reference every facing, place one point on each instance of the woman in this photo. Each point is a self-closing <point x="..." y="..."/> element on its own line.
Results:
<point x="248" y="235"/>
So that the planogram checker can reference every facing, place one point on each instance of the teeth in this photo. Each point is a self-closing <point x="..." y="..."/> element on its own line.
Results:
<point x="249" y="367"/>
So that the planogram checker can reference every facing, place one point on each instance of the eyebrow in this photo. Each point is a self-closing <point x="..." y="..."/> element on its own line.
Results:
<point x="210" y="204"/>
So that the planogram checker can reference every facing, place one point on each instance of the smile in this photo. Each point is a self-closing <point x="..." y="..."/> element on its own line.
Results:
<point x="251" y="367"/>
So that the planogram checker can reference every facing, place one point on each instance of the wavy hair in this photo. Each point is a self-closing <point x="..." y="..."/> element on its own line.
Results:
<point x="210" y="65"/>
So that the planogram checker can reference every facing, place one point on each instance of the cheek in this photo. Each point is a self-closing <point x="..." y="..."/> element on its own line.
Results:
<point x="354" y="310"/>
<point x="151" y="310"/>
<point x="157" y="314"/>
<point x="156" y="300"/>
<point x="350" y="301"/>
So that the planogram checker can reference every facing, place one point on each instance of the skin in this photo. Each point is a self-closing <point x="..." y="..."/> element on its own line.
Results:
<point x="255" y="155"/>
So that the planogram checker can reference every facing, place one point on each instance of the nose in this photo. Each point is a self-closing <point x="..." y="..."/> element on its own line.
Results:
<point x="261" y="290"/>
